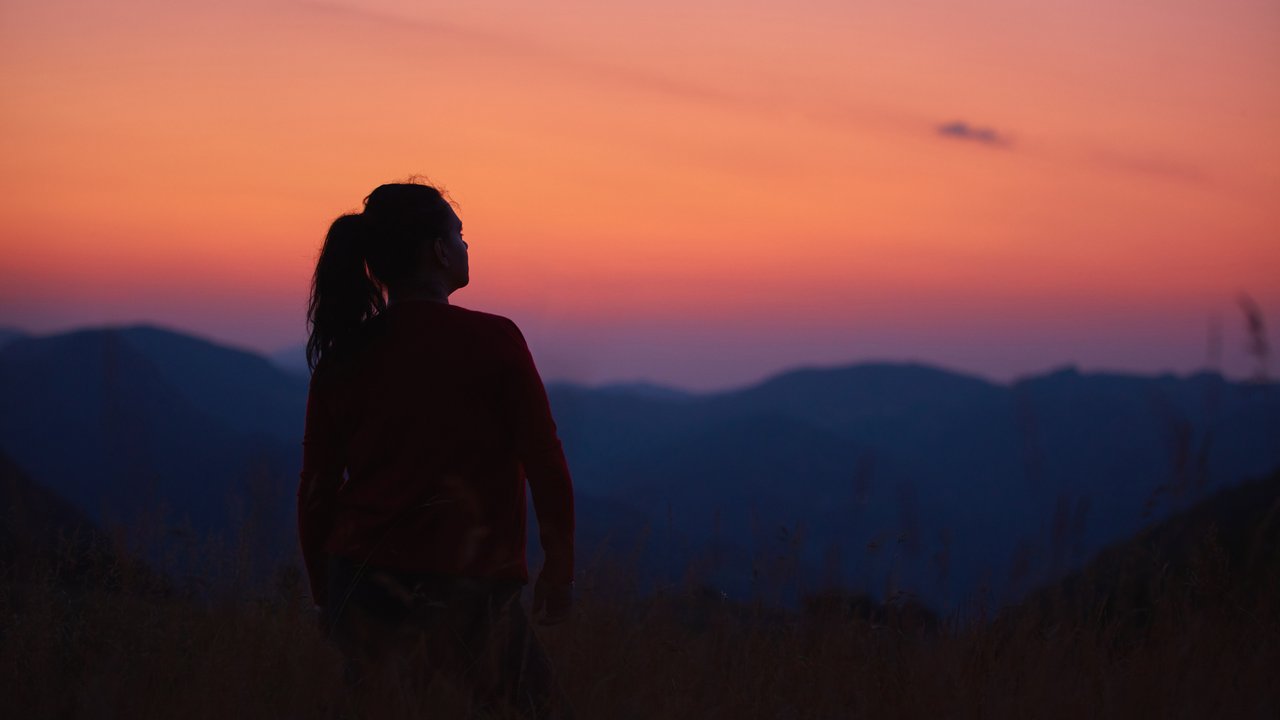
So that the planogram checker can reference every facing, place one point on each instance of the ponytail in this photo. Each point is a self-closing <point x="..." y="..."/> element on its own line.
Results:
<point x="365" y="253"/>
<point x="343" y="294"/>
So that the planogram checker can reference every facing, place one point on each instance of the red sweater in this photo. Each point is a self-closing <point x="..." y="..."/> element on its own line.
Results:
<point x="437" y="416"/>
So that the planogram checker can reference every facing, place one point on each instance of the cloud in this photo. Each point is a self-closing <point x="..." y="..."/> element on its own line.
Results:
<point x="542" y="55"/>
<point x="960" y="130"/>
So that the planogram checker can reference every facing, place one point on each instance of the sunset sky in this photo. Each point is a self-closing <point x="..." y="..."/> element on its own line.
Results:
<point x="693" y="193"/>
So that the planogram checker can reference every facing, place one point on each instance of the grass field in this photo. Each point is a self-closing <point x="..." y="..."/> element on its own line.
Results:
<point x="1200" y="638"/>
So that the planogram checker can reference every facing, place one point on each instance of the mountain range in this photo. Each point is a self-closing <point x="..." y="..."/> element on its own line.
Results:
<point x="888" y="478"/>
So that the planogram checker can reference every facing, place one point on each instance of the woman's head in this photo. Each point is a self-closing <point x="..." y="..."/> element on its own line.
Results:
<point x="413" y="235"/>
<point x="408" y="240"/>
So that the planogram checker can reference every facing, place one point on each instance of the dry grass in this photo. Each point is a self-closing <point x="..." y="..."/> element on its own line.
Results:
<point x="125" y="645"/>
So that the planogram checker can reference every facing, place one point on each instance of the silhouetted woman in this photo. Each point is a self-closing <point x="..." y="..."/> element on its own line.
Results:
<point x="423" y="422"/>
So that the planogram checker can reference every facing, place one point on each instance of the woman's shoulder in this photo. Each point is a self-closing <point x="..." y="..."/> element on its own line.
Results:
<point x="472" y="331"/>
<point x="500" y="326"/>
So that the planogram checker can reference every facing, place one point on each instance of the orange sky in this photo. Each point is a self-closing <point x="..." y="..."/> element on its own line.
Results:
<point x="695" y="193"/>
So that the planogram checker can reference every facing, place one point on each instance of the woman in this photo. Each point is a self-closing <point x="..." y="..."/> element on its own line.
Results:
<point x="423" y="422"/>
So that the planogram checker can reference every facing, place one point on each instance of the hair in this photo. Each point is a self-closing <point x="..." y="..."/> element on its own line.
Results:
<point x="366" y="253"/>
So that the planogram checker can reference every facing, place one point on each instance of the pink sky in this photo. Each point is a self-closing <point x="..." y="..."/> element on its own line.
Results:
<point x="692" y="193"/>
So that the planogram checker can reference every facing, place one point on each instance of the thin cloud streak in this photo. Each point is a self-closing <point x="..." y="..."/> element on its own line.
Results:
<point x="523" y="48"/>
<point x="1154" y="166"/>
<point x="839" y="112"/>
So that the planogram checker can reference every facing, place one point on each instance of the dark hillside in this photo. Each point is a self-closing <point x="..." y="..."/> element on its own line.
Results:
<point x="42" y="533"/>
<point x="1220" y="555"/>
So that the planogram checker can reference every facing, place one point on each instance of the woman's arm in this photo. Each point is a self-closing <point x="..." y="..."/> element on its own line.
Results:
<point x="542" y="456"/>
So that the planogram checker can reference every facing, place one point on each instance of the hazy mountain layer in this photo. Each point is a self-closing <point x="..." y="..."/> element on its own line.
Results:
<point x="884" y="477"/>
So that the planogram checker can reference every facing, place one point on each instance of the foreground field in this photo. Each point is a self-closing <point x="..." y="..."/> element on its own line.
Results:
<point x="1197" y="641"/>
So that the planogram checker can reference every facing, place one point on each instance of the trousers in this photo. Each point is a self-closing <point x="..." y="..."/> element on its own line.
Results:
<point x="419" y="627"/>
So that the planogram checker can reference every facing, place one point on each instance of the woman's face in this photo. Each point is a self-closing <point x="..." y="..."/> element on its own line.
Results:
<point x="451" y="252"/>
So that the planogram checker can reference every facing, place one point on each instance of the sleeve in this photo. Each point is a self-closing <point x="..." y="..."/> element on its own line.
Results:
<point x="542" y="457"/>
<point x="323" y="464"/>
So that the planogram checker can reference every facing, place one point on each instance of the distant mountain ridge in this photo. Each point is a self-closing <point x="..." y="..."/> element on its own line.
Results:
<point x="8" y="335"/>
<point x="140" y="425"/>
<point x="924" y="479"/>
<point x="292" y="359"/>
<point x="891" y="476"/>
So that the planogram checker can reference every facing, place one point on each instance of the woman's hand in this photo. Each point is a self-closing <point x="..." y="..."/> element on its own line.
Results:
<point x="552" y="602"/>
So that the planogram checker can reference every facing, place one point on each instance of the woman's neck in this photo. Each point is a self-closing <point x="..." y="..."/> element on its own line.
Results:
<point x="429" y="292"/>
<point x="397" y="299"/>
